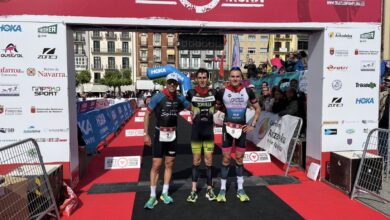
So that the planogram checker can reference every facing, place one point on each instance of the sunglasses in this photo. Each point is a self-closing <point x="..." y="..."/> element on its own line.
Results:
<point x="172" y="82"/>
<point x="235" y="68"/>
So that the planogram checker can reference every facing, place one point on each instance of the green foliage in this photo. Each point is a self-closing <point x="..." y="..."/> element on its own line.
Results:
<point x="115" y="78"/>
<point x="83" y="77"/>
<point x="160" y="81"/>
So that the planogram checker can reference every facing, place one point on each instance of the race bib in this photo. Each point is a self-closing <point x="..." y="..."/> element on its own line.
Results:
<point x="234" y="130"/>
<point x="167" y="134"/>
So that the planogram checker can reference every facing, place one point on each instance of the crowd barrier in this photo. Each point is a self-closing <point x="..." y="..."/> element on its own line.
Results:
<point x="97" y="124"/>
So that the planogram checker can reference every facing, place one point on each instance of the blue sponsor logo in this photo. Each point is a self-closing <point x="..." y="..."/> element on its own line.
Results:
<point x="364" y="101"/>
<point x="10" y="28"/>
<point x="330" y="131"/>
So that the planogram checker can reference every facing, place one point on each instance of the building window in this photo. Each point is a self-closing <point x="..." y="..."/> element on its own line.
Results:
<point x="240" y="37"/>
<point x="264" y="38"/>
<point x="263" y="50"/>
<point x="195" y="63"/>
<point x="170" y="40"/>
<point x="125" y="47"/>
<point x="96" y="76"/>
<point x="209" y="52"/>
<point x="144" y="55"/>
<point x="144" y="38"/>
<point x="155" y="65"/>
<point x="184" y="63"/>
<point x="303" y="45"/>
<point x="184" y="52"/>
<point x="156" y="39"/>
<point x="96" y="46"/>
<point x="209" y="65"/>
<point x="171" y="58"/>
<point x="111" y="63"/>
<point x="125" y="35"/>
<point x="96" y="34"/>
<point x="277" y="35"/>
<point x="288" y="46"/>
<point x="251" y="37"/>
<point x="251" y="50"/>
<point x="157" y="55"/>
<point x="196" y="52"/>
<point x="125" y="63"/>
<point x="277" y="46"/>
<point x="241" y="49"/>
<point x="97" y="63"/>
<point x="110" y="35"/>
<point x="287" y="36"/>
<point x="111" y="46"/>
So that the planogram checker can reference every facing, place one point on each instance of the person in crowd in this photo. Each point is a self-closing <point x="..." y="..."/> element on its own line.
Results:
<point x="301" y="97"/>
<point x="166" y="107"/>
<point x="299" y="66"/>
<point x="202" y="137"/>
<point x="276" y="62"/>
<point x="304" y="59"/>
<point x="292" y="104"/>
<point x="290" y="63"/>
<point x="234" y="98"/>
<point x="282" y="70"/>
<point x="251" y="68"/>
<point x="266" y="100"/>
<point x="279" y="100"/>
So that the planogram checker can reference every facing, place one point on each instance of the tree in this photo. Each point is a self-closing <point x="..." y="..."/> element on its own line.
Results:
<point x="115" y="78"/>
<point x="160" y="81"/>
<point x="83" y="77"/>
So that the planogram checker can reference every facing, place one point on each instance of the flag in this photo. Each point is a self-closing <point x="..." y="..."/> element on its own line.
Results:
<point x="236" y="52"/>
<point x="221" y="69"/>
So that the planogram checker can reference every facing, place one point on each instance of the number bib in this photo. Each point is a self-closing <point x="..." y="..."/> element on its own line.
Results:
<point x="167" y="134"/>
<point x="234" y="130"/>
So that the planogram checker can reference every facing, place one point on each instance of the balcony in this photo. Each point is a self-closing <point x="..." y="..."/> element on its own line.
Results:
<point x="171" y="60"/>
<point x="111" y="36"/>
<point x="111" y="67"/>
<point x="157" y="43"/>
<point x="170" y="44"/>
<point x="79" y="40"/>
<point x="111" y="51"/>
<point x="125" y="37"/>
<point x="144" y="42"/>
<point x="283" y="38"/>
<point x="97" y="67"/>
<point x="81" y="67"/>
<point x="281" y="50"/>
<point x="97" y="36"/>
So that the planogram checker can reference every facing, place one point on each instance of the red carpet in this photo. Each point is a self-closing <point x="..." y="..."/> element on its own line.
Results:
<point x="312" y="200"/>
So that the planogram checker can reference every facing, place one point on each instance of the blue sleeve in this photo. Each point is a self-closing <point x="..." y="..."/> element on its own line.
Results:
<point x="186" y="103"/>
<point x="155" y="101"/>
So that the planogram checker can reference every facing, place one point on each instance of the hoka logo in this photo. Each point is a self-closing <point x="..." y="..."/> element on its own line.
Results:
<point x="364" y="101"/>
<point x="10" y="28"/>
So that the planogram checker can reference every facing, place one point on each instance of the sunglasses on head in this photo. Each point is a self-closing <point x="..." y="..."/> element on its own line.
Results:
<point x="235" y="68"/>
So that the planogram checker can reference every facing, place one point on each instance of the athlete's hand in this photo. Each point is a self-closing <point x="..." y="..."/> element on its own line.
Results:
<point x="248" y="128"/>
<point x="147" y="140"/>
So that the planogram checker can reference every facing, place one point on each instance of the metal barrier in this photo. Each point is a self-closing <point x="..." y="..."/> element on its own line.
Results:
<point x="25" y="191"/>
<point x="293" y="144"/>
<point x="372" y="179"/>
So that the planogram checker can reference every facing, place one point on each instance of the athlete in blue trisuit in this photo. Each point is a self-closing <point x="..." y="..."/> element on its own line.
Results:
<point x="202" y="137"/>
<point x="166" y="107"/>
<point x="234" y="99"/>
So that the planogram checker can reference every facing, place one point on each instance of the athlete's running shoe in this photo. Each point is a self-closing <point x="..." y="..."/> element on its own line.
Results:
<point x="166" y="199"/>
<point x="242" y="196"/>
<point x="192" y="197"/>
<point x="151" y="203"/>
<point x="210" y="194"/>
<point x="221" y="196"/>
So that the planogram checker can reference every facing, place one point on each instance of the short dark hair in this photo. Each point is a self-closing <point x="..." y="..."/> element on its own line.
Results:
<point x="235" y="68"/>
<point x="202" y="70"/>
<point x="294" y="80"/>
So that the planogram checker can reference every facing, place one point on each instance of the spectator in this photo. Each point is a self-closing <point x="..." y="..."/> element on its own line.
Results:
<point x="304" y="59"/>
<point x="299" y="63"/>
<point x="277" y="62"/>
<point x="279" y="100"/>
<point x="251" y="69"/>
<point x="292" y="104"/>
<point x="266" y="100"/>
<point x="290" y="63"/>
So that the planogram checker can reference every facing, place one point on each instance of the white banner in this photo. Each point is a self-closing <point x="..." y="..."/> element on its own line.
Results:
<point x="350" y="87"/>
<point x="256" y="157"/>
<point x="274" y="134"/>
<point x="134" y="132"/>
<point x="34" y="87"/>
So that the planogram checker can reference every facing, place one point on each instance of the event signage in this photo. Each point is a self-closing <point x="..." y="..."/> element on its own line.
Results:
<point x="30" y="106"/>
<point x="126" y="162"/>
<point x="353" y="76"/>
<point x="256" y="157"/>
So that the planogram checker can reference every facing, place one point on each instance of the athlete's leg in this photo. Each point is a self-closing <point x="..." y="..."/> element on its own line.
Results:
<point x="208" y="159"/>
<point x="240" y="151"/>
<point x="154" y="171"/>
<point x="196" y="159"/>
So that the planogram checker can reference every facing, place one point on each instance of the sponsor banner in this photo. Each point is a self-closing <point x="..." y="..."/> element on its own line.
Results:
<point x="277" y="139"/>
<point x="264" y="122"/>
<point x="134" y="132"/>
<point x="102" y="103"/>
<point x="127" y="162"/>
<point x="256" y="157"/>
<point x="96" y="125"/>
<point x="206" y="11"/>
<point x="217" y="130"/>
<point x="141" y="114"/>
<point x="86" y="106"/>
<point x="350" y="87"/>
